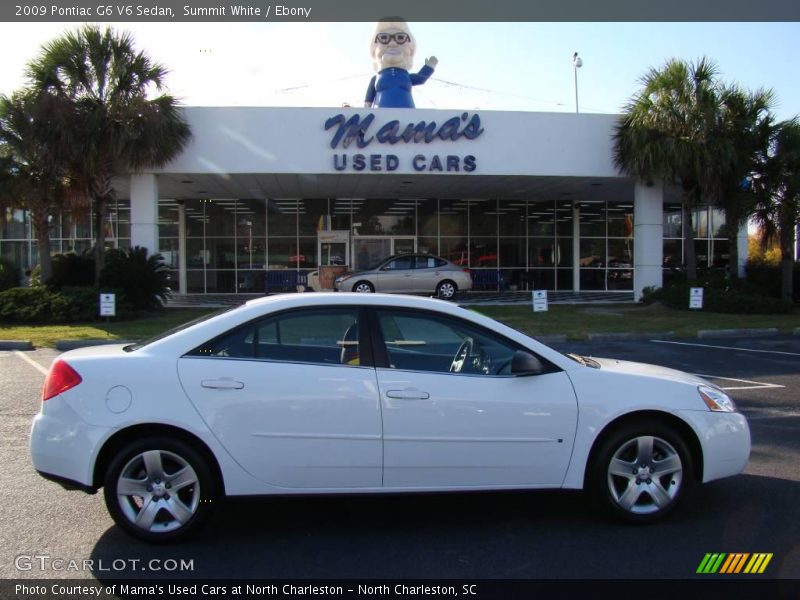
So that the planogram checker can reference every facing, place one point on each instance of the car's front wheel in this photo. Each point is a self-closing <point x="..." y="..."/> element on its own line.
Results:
<point x="159" y="489"/>
<point x="641" y="472"/>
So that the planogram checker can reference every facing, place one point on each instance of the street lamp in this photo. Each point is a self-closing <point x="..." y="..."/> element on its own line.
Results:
<point x="577" y="64"/>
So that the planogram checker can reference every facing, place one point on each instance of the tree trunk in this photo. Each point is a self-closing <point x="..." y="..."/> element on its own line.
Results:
<point x="690" y="260"/>
<point x="732" y="231"/>
<point x="787" y="278"/>
<point x="787" y="239"/>
<point x="40" y="222"/>
<point x="100" y="207"/>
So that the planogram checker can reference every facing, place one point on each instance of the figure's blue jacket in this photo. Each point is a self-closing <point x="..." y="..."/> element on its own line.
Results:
<point x="391" y="88"/>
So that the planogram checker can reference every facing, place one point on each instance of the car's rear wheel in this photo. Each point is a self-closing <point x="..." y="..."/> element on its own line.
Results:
<point x="446" y="289"/>
<point x="641" y="472"/>
<point x="364" y="287"/>
<point x="159" y="489"/>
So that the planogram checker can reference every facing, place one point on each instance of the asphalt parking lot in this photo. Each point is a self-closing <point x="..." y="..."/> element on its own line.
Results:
<point x="518" y="535"/>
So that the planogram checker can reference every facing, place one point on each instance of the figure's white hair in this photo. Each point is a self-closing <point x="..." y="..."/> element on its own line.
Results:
<point x="393" y="24"/>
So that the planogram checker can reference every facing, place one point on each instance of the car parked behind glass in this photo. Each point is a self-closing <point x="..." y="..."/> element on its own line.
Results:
<point x="409" y="274"/>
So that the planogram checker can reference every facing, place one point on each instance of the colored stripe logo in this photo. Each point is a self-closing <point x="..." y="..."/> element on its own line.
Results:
<point x="734" y="563"/>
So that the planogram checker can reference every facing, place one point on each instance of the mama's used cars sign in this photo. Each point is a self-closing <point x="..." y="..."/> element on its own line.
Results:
<point x="363" y="133"/>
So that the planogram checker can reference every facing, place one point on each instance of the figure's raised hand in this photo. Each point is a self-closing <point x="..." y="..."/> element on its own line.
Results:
<point x="431" y="62"/>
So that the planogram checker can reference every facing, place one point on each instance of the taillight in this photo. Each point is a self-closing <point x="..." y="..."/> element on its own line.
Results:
<point x="61" y="378"/>
<point x="466" y="270"/>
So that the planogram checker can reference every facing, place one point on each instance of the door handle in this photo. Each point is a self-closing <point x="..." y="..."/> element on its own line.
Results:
<point x="407" y="394"/>
<point x="222" y="384"/>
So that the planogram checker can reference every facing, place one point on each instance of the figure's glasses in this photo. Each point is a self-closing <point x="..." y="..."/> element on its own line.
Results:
<point x="385" y="38"/>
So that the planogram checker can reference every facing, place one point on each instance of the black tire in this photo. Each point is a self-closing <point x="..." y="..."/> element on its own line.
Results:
<point x="446" y="290"/>
<point x="174" y="501"/>
<point x="364" y="287"/>
<point x="633" y="488"/>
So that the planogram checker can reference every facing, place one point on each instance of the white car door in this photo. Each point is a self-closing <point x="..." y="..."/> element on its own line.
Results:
<point x="477" y="427"/>
<point x="288" y="398"/>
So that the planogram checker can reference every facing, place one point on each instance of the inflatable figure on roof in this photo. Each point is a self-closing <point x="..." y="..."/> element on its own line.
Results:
<point x="393" y="49"/>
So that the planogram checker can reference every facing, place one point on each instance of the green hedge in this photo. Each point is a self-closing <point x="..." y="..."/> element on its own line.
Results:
<point x="767" y="278"/>
<point x="40" y="304"/>
<point x="718" y="296"/>
<point x="9" y="274"/>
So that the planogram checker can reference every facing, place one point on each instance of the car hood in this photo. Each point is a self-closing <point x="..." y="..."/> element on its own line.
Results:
<point x="655" y="371"/>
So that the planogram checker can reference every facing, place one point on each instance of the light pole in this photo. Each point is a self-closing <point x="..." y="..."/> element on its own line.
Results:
<point x="577" y="63"/>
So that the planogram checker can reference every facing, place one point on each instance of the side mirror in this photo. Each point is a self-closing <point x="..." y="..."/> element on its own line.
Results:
<point x="525" y="363"/>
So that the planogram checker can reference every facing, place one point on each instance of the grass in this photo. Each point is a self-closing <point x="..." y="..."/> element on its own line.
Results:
<point x="577" y="321"/>
<point x="138" y="329"/>
<point x="574" y="321"/>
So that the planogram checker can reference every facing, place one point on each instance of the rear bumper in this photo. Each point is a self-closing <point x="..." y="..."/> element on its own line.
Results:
<point x="63" y="446"/>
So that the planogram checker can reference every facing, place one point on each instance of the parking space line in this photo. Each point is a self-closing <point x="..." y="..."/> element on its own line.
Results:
<point x="754" y="385"/>
<point x="31" y="362"/>
<point x="726" y="347"/>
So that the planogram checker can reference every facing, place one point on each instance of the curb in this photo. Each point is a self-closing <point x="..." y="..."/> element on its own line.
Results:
<point x="729" y="333"/>
<point x="16" y="345"/>
<point x="633" y="336"/>
<point x="65" y="345"/>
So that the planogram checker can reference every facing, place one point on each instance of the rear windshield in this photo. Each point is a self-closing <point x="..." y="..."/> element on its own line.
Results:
<point x="161" y="336"/>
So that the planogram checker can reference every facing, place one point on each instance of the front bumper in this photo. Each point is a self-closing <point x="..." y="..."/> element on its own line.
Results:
<point x="725" y="439"/>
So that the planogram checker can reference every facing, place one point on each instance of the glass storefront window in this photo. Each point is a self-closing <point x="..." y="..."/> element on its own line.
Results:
<point x="593" y="253"/>
<point x="673" y="257"/>
<point x="672" y="221"/>
<point x="251" y="252"/>
<point x="593" y="219"/>
<point x="282" y="217"/>
<point x="483" y="252"/>
<point x="564" y="218"/>
<point x="541" y="219"/>
<point x="720" y="255"/>
<point x="455" y="250"/>
<point x="512" y="252"/>
<point x="593" y="279"/>
<point x="312" y="215"/>
<point x="482" y="217"/>
<point x="620" y="254"/>
<point x="620" y="220"/>
<point x="427" y="218"/>
<point x="251" y="219"/>
<point x="220" y="282"/>
<point x="428" y="245"/>
<point x="717" y="223"/>
<point x="453" y="218"/>
<point x="700" y="222"/>
<point x="541" y="252"/>
<point x="512" y="219"/>
<point x="542" y="279"/>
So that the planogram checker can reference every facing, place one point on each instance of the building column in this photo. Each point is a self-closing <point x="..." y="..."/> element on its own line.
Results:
<point x="576" y="248"/>
<point x="182" y="286"/>
<point x="144" y="212"/>
<point x="743" y="247"/>
<point x="648" y="236"/>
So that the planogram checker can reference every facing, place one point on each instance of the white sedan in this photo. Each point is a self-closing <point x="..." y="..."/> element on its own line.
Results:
<point x="351" y="393"/>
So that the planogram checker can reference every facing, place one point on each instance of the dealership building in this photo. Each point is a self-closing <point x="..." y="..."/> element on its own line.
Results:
<point x="260" y="197"/>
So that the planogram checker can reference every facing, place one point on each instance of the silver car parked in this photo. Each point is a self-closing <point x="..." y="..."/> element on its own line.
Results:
<point x="409" y="274"/>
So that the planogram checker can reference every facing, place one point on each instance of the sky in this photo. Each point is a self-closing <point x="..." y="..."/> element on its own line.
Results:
<point x="486" y="66"/>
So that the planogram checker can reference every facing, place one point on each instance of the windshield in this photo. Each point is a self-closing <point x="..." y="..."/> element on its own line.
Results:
<point x="161" y="336"/>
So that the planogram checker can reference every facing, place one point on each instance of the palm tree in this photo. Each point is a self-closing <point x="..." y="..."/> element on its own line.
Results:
<point x="31" y="173"/>
<point x="668" y="131"/>
<point x="117" y="124"/>
<point x="748" y="125"/>
<point x="778" y="212"/>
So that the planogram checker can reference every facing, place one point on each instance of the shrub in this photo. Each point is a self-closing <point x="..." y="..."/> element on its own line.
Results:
<point x="143" y="281"/>
<point x="73" y="270"/>
<point x="766" y="277"/>
<point x="9" y="274"/>
<point x="719" y="295"/>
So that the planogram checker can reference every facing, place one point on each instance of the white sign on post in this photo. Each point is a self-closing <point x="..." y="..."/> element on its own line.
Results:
<point x="695" y="297"/>
<point x="108" y="305"/>
<point x="539" y="300"/>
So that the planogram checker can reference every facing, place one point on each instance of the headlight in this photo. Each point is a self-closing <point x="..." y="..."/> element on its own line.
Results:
<point x="716" y="400"/>
<point x="341" y="278"/>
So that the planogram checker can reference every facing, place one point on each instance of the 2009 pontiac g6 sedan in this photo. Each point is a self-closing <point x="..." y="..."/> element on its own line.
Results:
<point x="351" y="393"/>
